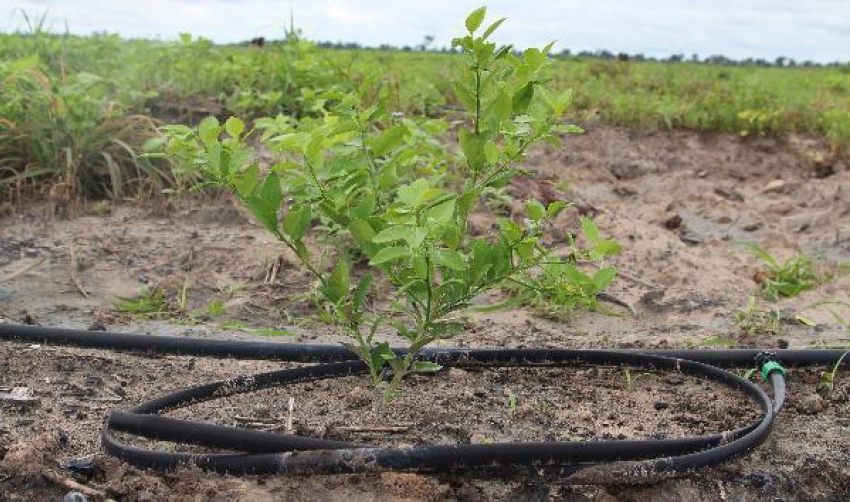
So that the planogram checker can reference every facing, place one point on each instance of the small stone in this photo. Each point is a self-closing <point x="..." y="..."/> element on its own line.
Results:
<point x="811" y="405"/>
<point x="626" y="171"/>
<point x="97" y="325"/>
<point x="81" y="466"/>
<point x="775" y="186"/>
<point x="781" y="208"/>
<point x="143" y="278"/>
<point x="623" y="191"/>
<point x="752" y="227"/>
<point x="479" y="437"/>
<point x="673" y="222"/>
<point x="729" y="194"/>
<point x="702" y="173"/>
<point x="457" y="373"/>
<point x="75" y="497"/>
<point x="782" y="343"/>
<point x="359" y="397"/>
<point x="675" y="379"/>
<point x="19" y="395"/>
<point x="661" y="405"/>
<point x="691" y="238"/>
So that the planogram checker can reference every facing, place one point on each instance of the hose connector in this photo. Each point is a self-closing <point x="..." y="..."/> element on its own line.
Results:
<point x="768" y="364"/>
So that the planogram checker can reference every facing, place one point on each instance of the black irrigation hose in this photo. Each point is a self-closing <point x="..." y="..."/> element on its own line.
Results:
<point x="267" y="453"/>
<point x="325" y="353"/>
<point x="626" y="461"/>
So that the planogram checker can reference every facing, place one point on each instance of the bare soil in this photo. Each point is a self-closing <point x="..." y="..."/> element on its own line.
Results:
<point x="677" y="202"/>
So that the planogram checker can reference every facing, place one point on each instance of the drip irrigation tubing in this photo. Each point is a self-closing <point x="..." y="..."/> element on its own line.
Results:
<point x="325" y="353"/>
<point x="587" y="462"/>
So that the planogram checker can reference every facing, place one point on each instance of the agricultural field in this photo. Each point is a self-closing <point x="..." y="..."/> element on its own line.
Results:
<point x="479" y="198"/>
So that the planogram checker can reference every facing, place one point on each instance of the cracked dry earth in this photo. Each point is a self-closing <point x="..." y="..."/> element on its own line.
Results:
<point x="677" y="202"/>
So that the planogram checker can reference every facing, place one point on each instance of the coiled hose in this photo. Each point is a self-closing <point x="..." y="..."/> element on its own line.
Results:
<point x="620" y="461"/>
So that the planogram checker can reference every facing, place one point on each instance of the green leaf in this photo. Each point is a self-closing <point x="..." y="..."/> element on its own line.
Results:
<point x="481" y="260"/>
<point x="491" y="153"/>
<point x="535" y="210"/>
<point x="361" y="230"/>
<point x="246" y="181"/>
<point x="362" y="288"/>
<point x="337" y="286"/>
<point x="591" y="231"/>
<point x="296" y="222"/>
<point x="474" y="20"/>
<point x="489" y="31"/>
<point x="425" y="367"/>
<point x="603" y="277"/>
<point x="522" y="98"/>
<point x="265" y="202"/>
<point x="365" y="208"/>
<point x="389" y="254"/>
<point x="555" y="208"/>
<point x="208" y="130"/>
<point x="234" y="127"/>
<point x="414" y="236"/>
<point x="314" y="151"/>
<point x="605" y="248"/>
<point x="443" y="212"/>
<point x="388" y="140"/>
<point x="380" y="354"/>
<point x="472" y="147"/>
<point x="417" y="193"/>
<point x="510" y="230"/>
<point x="449" y="258"/>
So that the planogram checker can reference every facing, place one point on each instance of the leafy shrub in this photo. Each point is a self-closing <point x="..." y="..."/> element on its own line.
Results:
<point x="355" y="168"/>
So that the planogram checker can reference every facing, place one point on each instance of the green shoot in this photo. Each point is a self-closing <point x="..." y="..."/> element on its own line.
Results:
<point x="827" y="378"/>
<point x="754" y="320"/>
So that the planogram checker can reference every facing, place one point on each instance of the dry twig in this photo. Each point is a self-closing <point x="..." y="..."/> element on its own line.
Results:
<point x="72" y="269"/>
<point x="24" y="270"/>
<point x="70" y="484"/>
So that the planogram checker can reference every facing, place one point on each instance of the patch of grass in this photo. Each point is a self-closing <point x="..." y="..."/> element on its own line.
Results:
<point x="67" y="130"/>
<point x="150" y="304"/>
<point x="795" y="275"/>
<point x="753" y="320"/>
<point x="719" y="341"/>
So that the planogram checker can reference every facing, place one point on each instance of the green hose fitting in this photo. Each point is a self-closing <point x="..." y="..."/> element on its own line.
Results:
<point x="770" y="366"/>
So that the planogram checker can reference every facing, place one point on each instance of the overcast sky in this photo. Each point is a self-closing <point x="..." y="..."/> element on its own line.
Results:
<point x="803" y="29"/>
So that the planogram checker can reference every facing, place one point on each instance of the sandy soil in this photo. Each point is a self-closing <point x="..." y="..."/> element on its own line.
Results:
<point x="676" y="202"/>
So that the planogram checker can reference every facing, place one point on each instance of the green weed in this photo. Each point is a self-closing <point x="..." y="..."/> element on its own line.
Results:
<point x="150" y="304"/>
<point x="790" y="278"/>
<point x="754" y="320"/>
<point x="827" y="378"/>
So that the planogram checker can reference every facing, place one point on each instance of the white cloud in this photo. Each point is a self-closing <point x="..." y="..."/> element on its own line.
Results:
<point x="814" y="29"/>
